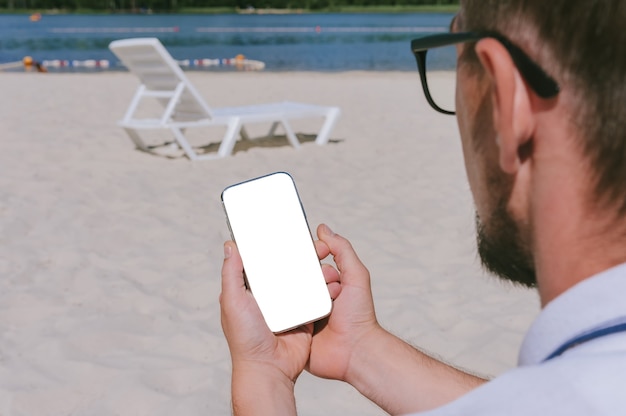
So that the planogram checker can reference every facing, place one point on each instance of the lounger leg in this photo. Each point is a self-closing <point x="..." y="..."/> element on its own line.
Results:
<point x="244" y="133"/>
<point x="230" y="137"/>
<point x="134" y="103"/>
<point x="134" y="136"/>
<point x="331" y="118"/>
<point x="273" y="129"/>
<point x="183" y="143"/>
<point x="293" y="139"/>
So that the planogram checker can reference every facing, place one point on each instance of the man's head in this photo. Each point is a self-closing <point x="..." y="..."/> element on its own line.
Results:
<point x="582" y="45"/>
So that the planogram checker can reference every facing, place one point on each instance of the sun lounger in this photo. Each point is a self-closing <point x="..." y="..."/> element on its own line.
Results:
<point x="183" y="107"/>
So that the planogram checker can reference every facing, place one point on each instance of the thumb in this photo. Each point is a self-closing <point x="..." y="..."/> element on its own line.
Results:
<point x="232" y="271"/>
<point x="350" y="266"/>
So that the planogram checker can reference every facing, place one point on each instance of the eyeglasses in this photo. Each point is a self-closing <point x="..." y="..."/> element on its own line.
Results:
<point x="437" y="73"/>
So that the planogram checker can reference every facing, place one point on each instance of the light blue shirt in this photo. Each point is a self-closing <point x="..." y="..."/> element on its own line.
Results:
<point x="587" y="379"/>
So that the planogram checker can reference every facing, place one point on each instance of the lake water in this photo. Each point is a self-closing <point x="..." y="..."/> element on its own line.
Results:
<point x="317" y="42"/>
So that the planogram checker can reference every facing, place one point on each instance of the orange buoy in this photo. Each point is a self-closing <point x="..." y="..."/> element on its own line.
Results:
<point x="239" y="61"/>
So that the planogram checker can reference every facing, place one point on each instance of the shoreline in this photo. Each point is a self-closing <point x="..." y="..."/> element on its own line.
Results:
<point x="235" y="10"/>
<point x="15" y="68"/>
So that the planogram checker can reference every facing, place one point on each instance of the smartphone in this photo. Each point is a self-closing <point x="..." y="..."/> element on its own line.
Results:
<point x="282" y="270"/>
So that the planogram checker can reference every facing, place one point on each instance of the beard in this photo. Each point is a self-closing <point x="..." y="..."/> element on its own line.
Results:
<point x="502" y="250"/>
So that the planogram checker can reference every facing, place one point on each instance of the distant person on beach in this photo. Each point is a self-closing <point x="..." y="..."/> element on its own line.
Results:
<point x="541" y="109"/>
<point x="30" y="64"/>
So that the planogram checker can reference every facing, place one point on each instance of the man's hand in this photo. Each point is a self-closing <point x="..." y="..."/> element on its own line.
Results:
<point x="265" y="365"/>
<point x="352" y="318"/>
<point x="351" y="346"/>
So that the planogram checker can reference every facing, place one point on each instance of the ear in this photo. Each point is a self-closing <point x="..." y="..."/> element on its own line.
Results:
<point x="512" y="110"/>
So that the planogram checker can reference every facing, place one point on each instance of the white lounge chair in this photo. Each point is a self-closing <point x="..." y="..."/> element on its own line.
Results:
<point x="183" y="107"/>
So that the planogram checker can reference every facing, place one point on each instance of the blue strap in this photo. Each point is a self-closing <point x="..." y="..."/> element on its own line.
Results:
<point x="588" y="336"/>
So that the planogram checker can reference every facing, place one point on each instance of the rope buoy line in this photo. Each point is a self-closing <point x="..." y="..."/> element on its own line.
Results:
<point x="64" y="63"/>
<point x="238" y="62"/>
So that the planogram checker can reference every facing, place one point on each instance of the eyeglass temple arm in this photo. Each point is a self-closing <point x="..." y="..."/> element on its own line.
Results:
<point x="420" y="57"/>
<point x="542" y="83"/>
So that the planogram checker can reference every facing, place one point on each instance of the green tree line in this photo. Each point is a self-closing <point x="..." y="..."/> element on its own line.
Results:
<point x="178" y="5"/>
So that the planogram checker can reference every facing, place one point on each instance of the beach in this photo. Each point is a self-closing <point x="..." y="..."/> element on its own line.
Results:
<point x="110" y="257"/>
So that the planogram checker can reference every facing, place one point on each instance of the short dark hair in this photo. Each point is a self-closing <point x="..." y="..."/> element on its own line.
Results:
<point x="582" y="43"/>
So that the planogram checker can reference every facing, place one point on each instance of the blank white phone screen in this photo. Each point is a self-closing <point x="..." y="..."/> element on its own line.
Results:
<point x="284" y="274"/>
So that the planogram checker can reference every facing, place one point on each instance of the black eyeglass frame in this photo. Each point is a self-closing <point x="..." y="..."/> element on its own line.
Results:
<point x="541" y="83"/>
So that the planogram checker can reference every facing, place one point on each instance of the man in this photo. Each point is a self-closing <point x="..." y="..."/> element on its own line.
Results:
<point x="541" y="108"/>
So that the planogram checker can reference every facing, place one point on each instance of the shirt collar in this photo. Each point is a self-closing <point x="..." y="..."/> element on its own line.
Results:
<point x="588" y="304"/>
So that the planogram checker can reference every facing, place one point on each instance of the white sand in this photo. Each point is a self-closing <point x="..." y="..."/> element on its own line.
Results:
<point x="110" y="257"/>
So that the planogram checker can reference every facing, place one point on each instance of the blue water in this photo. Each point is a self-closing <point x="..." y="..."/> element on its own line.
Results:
<point x="319" y="42"/>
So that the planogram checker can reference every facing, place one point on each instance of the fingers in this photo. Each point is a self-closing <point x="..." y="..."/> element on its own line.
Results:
<point x="332" y="280"/>
<point x="330" y="273"/>
<point x="322" y="249"/>
<point x="346" y="259"/>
